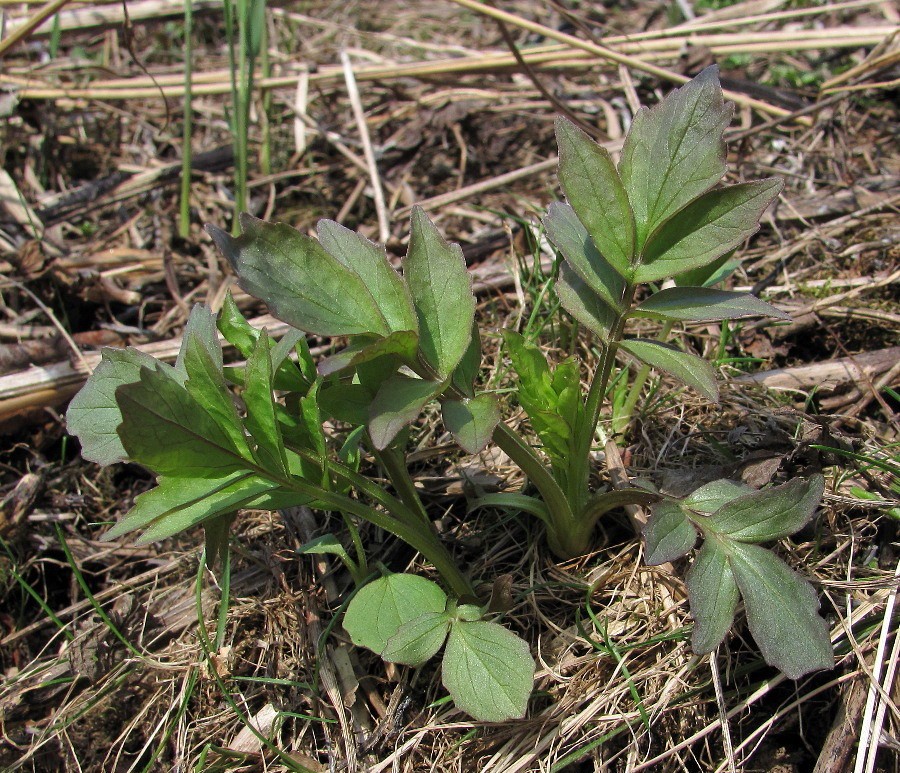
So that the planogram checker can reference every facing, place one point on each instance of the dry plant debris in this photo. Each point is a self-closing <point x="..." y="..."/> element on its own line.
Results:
<point x="90" y="254"/>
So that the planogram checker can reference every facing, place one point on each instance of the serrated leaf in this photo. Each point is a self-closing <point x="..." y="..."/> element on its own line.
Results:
<point x="782" y="612"/>
<point x="402" y="344"/>
<point x="570" y="237"/>
<point x="583" y="303"/>
<point x="369" y="261"/>
<point x="530" y="364"/>
<point x="471" y="420"/>
<point x="488" y="671"/>
<point x="592" y="185"/>
<point x="419" y="640"/>
<point x="165" y="429"/>
<point x="399" y="402"/>
<point x="706" y="229"/>
<point x="687" y="368"/>
<point x="177" y="504"/>
<point x="94" y="414"/>
<point x="703" y="304"/>
<point x="441" y="289"/>
<point x="675" y="152"/>
<point x="300" y="282"/>
<point x="262" y="420"/>
<point x="772" y="513"/>
<point x="712" y="496"/>
<point x="380" y="608"/>
<point x="713" y="597"/>
<point x="668" y="534"/>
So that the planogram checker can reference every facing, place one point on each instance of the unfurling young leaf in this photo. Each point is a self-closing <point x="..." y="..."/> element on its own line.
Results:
<point x="488" y="671"/>
<point x="713" y="596"/>
<point x="379" y="609"/>
<point x="689" y="369"/>
<point x="668" y="534"/>
<point x="592" y="185"/>
<point x="441" y="290"/>
<point x="703" y="304"/>
<point x="675" y="151"/>
<point x="472" y="420"/>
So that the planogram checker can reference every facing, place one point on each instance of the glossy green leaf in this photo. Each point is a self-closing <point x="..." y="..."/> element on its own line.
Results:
<point x="713" y="597"/>
<point x="592" y="186"/>
<point x="687" y="368"/>
<point x="369" y="261"/>
<point x="772" y="513"/>
<point x="571" y="238"/>
<point x="668" y="534"/>
<point x="675" y="151"/>
<point x="710" y="497"/>
<point x="782" y="612"/>
<point x="165" y="429"/>
<point x="177" y="504"/>
<point x="441" y="289"/>
<point x="262" y="420"/>
<point x="703" y="304"/>
<point x="706" y="229"/>
<point x="300" y="282"/>
<point x="380" y="608"/>
<point x="401" y="344"/>
<point x="583" y="303"/>
<point x="472" y="420"/>
<point x="419" y="640"/>
<point x="488" y="671"/>
<point x="398" y="403"/>
<point x="94" y="414"/>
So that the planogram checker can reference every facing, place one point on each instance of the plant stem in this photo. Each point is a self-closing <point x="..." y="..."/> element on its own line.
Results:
<point x="184" y="218"/>
<point x="620" y="422"/>
<point x="395" y="466"/>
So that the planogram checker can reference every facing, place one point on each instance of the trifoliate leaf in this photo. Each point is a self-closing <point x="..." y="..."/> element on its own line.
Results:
<point x="713" y="597"/>
<point x="472" y="420"/>
<point x="781" y="611"/>
<point x="712" y="496"/>
<point x="488" y="671"/>
<point x="706" y="229"/>
<point x="687" y="368"/>
<point x="668" y="534"/>
<point x="703" y="304"/>
<point x="398" y="403"/>
<point x="419" y="640"/>
<point x="441" y="289"/>
<point x="379" y="609"/>
<point x="675" y="152"/>
<point x="772" y="513"/>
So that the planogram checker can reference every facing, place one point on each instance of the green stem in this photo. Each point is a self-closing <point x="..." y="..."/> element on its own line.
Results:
<point x="391" y="459"/>
<point x="620" y="422"/>
<point x="184" y="219"/>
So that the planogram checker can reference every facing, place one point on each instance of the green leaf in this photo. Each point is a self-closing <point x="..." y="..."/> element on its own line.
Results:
<point x="583" y="303"/>
<point x="369" y="261"/>
<point x="488" y="671"/>
<point x="441" y="289"/>
<point x="399" y="402"/>
<point x="402" y="344"/>
<point x="379" y="609"/>
<point x="94" y="414"/>
<point x="262" y="420"/>
<point x="772" y="513"/>
<point x="709" y="498"/>
<point x="346" y="402"/>
<point x="201" y="329"/>
<point x="466" y="373"/>
<point x="713" y="597"/>
<point x="668" y="534"/>
<point x="472" y="420"/>
<point x="419" y="640"/>
<point x="781" y="612"/>
<point x="706" y="229"/>
<point x="232" y="324"/>
<point x="177" y="504"/>
<point x="675" y="151"/>
<point x="687" y="368"/>
<point x="702" y="304"/>
<point x="215" y="536"/>
<point x="165" y="429"/>
<point x="530" y="364"/>
<point x="602" y="502"/>
<point x="594" y="189"/>
<point x="571" y="238"/>
<point x="327" y="544"/>
<point x="301" y="283"/>
<point x="514" y="502"/>
<point x="711" y="274"/>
